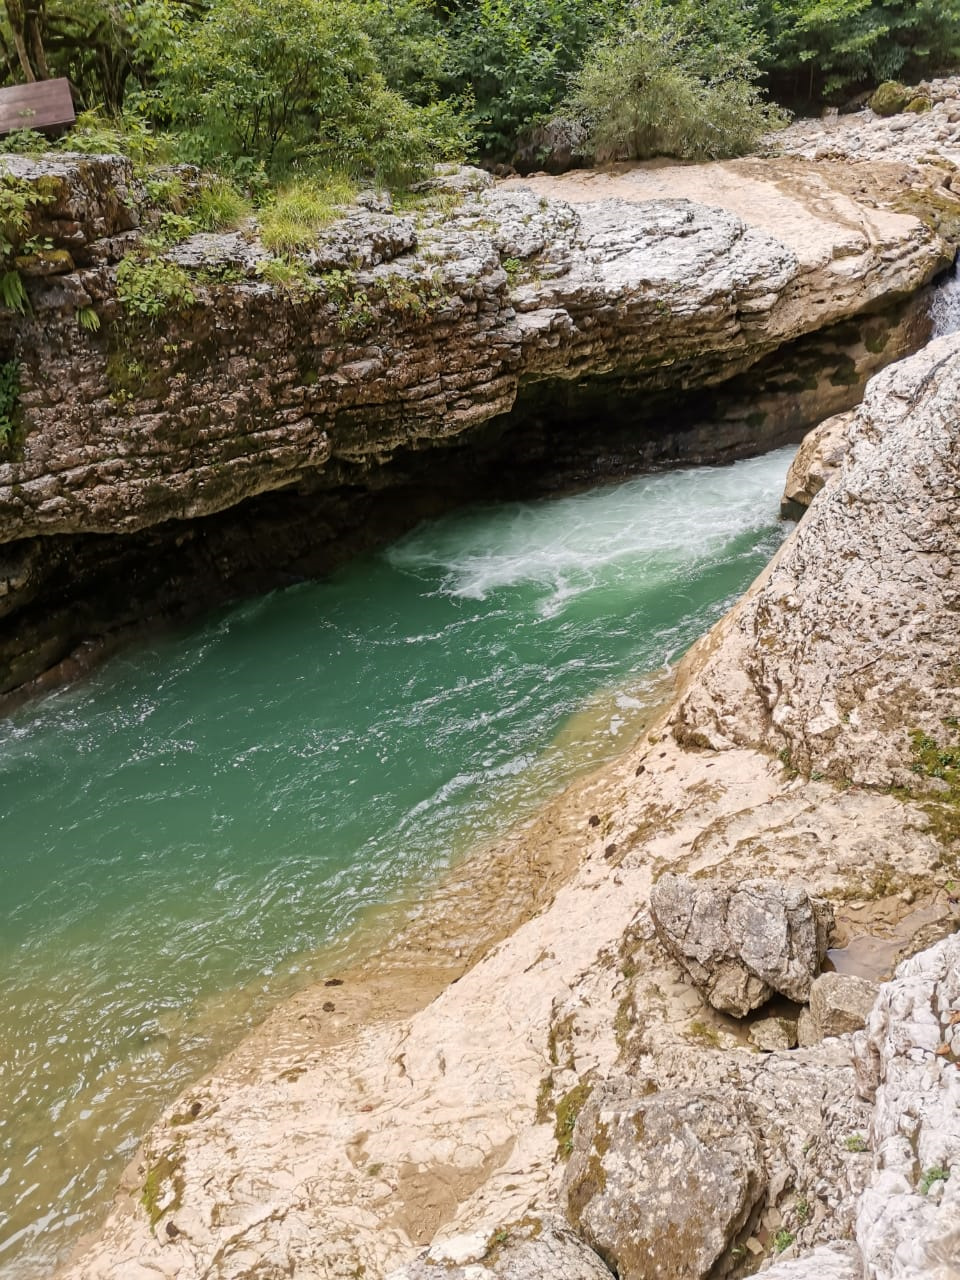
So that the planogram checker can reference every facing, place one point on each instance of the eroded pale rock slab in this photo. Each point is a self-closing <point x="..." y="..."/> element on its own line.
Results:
<point x="662" y="1185"/>
<point x="539" y="1249"/>
<point x="817" y="459"/>
<point x="908" y="1224"/>
<point x="849" y="641"/>
<point x="830" y="1262"/>
<point x="742" y="942"/>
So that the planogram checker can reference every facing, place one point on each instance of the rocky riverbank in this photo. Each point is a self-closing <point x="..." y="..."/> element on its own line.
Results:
<point x="196" y="431"/>
<point x="615" y="1063"/>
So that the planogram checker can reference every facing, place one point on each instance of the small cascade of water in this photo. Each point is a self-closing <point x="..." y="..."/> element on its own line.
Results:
<point x="945" y="306"/>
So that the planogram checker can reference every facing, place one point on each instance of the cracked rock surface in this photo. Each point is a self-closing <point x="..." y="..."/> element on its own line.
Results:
<point x="742" y="942"/>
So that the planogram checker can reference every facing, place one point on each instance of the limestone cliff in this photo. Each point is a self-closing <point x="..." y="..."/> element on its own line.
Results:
<point x="216" y="427"/>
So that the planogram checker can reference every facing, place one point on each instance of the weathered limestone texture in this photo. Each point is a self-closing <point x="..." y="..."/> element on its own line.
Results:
<point x="663" y="1185"/>
<point x="817" y="460"/>
<point x="427" y="337"/>
<point x="908" y="1222"/>
<point x="878" y="557"/>
<point x="541" y="1249"/>
<point x="742" y="942"/>
<point x="839" y="1002"/>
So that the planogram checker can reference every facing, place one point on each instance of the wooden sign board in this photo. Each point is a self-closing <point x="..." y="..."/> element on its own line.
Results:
<point x="46" y="104"/>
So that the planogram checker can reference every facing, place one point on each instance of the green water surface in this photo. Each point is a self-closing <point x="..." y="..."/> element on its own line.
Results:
<point x="210" y="809"/>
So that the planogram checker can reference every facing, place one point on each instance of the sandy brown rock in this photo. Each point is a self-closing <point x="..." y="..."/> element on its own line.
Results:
<point x="663" y="1184"/>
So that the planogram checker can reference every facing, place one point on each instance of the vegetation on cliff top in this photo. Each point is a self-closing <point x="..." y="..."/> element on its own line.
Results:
<point x="381" y="89"/>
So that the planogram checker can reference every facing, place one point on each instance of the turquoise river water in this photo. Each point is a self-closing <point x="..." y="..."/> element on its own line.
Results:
<point x="185" y="831"/>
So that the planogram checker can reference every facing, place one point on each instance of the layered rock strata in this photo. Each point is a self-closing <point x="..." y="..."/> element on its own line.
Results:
<point x="213" y="414"/>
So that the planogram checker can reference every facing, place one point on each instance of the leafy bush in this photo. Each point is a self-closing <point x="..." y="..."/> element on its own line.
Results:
<point x="149" y="287"/>
<point x="9" y="400"/>
<point x="830" y="48"/>
<point x="665" y="86"/>
<point x="514" y="59"/>
<point x="289" y="81"/>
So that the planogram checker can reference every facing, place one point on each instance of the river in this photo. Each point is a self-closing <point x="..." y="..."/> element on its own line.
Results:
<point x="187" y="830"/>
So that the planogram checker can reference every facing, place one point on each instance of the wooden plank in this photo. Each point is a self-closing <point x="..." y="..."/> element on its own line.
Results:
<point x="46" y="104"/>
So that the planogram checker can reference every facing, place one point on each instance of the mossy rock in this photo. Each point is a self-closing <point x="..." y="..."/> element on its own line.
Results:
<point x="891" y="98"/>
<point x="919" y="105"/>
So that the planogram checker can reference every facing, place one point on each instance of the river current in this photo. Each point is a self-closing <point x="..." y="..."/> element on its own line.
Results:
<point x="184" y="833"/>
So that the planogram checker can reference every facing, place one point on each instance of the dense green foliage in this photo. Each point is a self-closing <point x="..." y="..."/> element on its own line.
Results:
<point x="677" y="83"/>
<point x="380" y="89"/>
<point x="830" y="48"/>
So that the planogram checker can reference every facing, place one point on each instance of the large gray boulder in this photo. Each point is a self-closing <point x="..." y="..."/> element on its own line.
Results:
<point x="536" y="1249"/>
<point x="741" y="942"/>
<point x="662" y="1185"/>
<point x="839" y="1003"/>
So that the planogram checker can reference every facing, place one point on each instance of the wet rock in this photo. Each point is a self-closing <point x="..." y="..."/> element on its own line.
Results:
<point x="741" y="942"/>
<point x="536" y="1249"/>
<point x="772" y="1034"/>
<point x="662" y="1185"/>
<point x="839" y="1003"/>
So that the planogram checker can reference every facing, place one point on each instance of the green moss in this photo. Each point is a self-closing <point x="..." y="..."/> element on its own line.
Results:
<point x="568" y="1109"/>
<point x="890" y="98"/>
<point x="544" y="1096"/>
<point x="704" y="1033"/>
<point x="876" y="340"/>
<point x="940" y="760"/>
<point x="165" y="1175"/>
<point x="561" y="1033"/>
<point x="845" y="374"/>
<point x="930" y="1176"/>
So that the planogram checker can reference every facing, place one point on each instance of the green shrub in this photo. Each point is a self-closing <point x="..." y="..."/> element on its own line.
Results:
<point x="664" y="89"/>
<point x="9" y="401"/>
<point x="819" y="49"/>
<point x="512" y="60"/>
<point x="288" y="81"/>
<point x="124" y="135"/>
<point x="149" y="287"/>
